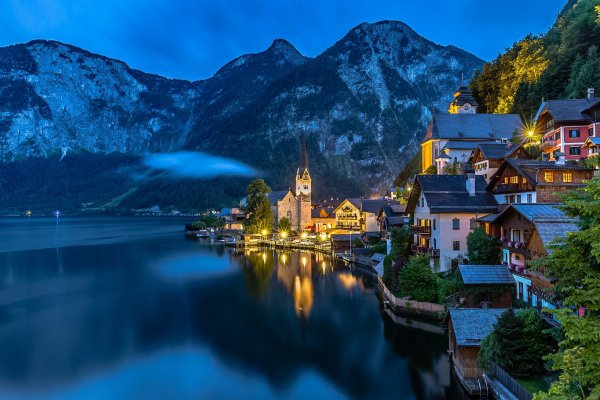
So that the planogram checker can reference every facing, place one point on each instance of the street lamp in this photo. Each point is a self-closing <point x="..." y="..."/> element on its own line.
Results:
<point x="303" y="235"/>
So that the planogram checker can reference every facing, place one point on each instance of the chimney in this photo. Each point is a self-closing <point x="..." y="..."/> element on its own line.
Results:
<point x="590" y="93"/>
<point x="470" y="183"/>
<point x="559" y="158"/>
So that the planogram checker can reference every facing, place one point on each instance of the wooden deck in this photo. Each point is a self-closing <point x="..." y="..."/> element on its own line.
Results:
<point x="475" y="387"/>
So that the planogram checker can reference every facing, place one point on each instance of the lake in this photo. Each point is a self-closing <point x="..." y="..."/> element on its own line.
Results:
<point x="129" y="308"/>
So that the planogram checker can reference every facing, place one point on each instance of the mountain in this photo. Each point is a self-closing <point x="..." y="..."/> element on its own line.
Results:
<point x="364" y="104"/>
<point x="562" y="63"/>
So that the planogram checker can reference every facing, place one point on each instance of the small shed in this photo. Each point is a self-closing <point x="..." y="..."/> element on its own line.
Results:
<point x="487" y="286"/>
<point x="466" y="329"/>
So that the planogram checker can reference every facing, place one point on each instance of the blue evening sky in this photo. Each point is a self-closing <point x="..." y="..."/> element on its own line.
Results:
<point x="192" y="39"/>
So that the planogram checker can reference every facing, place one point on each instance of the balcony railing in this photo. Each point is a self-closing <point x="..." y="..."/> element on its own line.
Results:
<point x="510" y="188"/>
<point x="424" y="230"/>
<point x="418" y="249"/>
<point x="548" y="144"/>
<point x="434" y="253"/>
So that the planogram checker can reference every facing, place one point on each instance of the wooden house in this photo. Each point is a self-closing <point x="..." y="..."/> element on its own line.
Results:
<point x="390" y="216"/>
<point x="486" y="286"/>
<point x="487" y="157"/>
<point x="532" y="181"/>
<point x="466" y="329"/>
<point x="525" y="232"/>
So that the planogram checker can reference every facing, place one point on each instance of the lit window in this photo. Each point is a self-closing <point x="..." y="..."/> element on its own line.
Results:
<point x="514" y="179"/>
<point x="548" y="176"/>
<point x="567" y="177"/>
<point x="523" y="180"/>
<point x="506" y="179"/>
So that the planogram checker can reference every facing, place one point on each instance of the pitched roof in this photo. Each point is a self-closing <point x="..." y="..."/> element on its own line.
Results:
<point x="448" y="193"/>
<point x="374" y="206"/>
<point x="274" y="197"/>
<point x="483" y="127"/>
<point x="377" y="257"/>
<point x="551" y="230"/>
<point x="497" y="151"/>
<point x="592" y="141"/>
<point x="461" y="145"/>
<point x="567" y="109"/>
<point x="472" y="325"/>
<point x="486" y="275"/>
<point x="530" y="168"/>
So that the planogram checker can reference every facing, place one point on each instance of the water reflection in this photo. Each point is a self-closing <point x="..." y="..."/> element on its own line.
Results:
<point x="198" y="321"/>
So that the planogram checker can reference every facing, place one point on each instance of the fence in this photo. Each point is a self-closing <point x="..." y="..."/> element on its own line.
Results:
<point x="417" y="307"/>
<point x="510" y="383"/>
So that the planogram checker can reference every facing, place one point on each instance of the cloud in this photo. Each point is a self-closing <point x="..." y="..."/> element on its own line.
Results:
<point x="196" y="165"/>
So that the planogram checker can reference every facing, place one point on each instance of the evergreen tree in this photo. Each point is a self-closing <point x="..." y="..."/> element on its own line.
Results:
<point x="259" y="215"/>
<point x="482" y="249"/>
<point x="417" y="280"/>
<point x="284" y="225"/>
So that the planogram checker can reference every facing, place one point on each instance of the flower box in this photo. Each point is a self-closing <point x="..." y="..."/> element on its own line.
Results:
<point x="511" y="244"/>
<point x="519" y="245"/>
<point x="502" y="239"/>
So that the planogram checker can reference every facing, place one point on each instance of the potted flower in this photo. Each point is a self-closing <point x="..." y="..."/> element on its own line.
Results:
<point x="511" y="244"/>
<point x="519" y="245"/>
<point x="502" y="239"/>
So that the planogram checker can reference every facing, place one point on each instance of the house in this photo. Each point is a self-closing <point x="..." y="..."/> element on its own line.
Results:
<point x="390" y="216"/>
<point x="533" y="181"/>
<point x="467" y="328"/>
<point x="486" y="286"/>
<point x="233" y="218"/>
<point x="525" y="231"/>
<point x="295" y="205"/>
<point x="323" y="218"/>
<point x="566" y="124"/>
<point x="592" y="145"/>
<point x="356" y="214"/>
<point x="444" y="209"/>
<point x="342" y="242"/>
<point x="451" y="138"/>
<point x="487" y="157"/>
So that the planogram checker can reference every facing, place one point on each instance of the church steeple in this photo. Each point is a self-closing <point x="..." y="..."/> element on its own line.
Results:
<point x="303" y="181"/>
<point x="464" y="102"/>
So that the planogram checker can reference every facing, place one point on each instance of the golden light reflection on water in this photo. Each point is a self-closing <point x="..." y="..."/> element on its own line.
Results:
<point x="304" y="295"/>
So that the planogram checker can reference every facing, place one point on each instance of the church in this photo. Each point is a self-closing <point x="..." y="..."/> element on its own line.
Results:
<point x="295" y="204"/>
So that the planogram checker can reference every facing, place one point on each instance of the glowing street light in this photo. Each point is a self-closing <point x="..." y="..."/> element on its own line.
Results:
<point x="283" y="234"/>
<point x="530" y="133"/>
<point x="264" y="232"/>
<point x="303" y="235"/>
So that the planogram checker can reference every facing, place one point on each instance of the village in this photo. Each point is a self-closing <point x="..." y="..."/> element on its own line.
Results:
<point x="482" y="211"/>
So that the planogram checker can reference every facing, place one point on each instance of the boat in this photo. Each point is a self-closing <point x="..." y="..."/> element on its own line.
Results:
<point x="203" y="234"/>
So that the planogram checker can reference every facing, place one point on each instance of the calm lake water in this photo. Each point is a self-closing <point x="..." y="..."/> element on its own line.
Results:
<point x="124" y="308"/>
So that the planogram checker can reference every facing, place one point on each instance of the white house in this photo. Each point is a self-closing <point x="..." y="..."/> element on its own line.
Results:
<point x="444" y="209"/>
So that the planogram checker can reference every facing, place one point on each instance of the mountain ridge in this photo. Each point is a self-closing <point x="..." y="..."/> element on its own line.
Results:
<point x="364" y="103"/>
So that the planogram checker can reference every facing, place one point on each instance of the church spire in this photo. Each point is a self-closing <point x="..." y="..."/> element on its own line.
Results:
<point x="303" y="153"/>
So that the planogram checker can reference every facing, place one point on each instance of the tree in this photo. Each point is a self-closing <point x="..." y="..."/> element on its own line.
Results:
<point x="431" y="170"/>
<point x="259" y="215"/>
<point x="518" y="343"/>
<point x="284" y="225"/>
<point x="417" y="280"/>
<point x="574" y="261"/>
<point x="482" y="249"/>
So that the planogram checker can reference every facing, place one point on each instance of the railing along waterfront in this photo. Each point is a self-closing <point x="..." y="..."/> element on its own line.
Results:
<point x="510" y="383"/>
<point x="411" y="306"/>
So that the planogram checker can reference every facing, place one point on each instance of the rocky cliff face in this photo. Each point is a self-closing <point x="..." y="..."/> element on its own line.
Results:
<point x="364" y="104"/>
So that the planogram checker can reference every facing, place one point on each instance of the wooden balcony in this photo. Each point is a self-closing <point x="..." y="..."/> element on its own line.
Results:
<point x="422" y="230"/>
<point x="434" y="253"/>
<point x="511" y="188"/>
<point x="548" y="144"/>
<point x="419" y="249"/>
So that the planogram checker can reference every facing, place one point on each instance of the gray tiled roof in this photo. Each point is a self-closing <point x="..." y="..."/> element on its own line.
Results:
<point x="531" y="211"/>
<point x="274" y="197"/>
<point x="486" y="275"/>
<point x="550" y="230"/>
<point x="374" y="206"/>
<point x="567" y="109"/>
<point x="472" y="325"/>
<point x="377" y="257"/>
<point x="497" y="151"/>
<point x="448" y="193"/>
<point x="461" y="145"/>
<point x="481" y="127"/>
<point x="379" y="268"/>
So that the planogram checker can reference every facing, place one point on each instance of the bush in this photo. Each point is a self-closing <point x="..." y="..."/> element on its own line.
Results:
<point x="417" y="280"/>
<point x="378" y="248"/>
<point x="482" y="249"/>
<point x="518" y="343"/>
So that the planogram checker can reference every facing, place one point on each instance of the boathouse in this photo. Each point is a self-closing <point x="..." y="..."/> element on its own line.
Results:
<point x="466" y="329"/>
<point x="487" y="286"/>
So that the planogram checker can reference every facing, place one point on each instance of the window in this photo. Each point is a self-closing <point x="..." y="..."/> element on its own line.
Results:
<point x="574" y="133"/>
<point x="423" y="201"/>
<point x="505" y="199"/>
<point x="434" y="243"/>
<point x="567" y="177"/>
<point x="523" y="180"/>
<point x="456" y="224"/>
<point x="548" y="176"/>
<point x="512" y="199"/>
<point x="529" y="198"/>
<point x="472" y="224"/>
<point x="514" y="179"/>
<point x="518" y="198"/>
<point x="434" y="224"/>
<point x="456" y="245"/>
<point x="574" y="150"/>
<point x="590" y="131"/>
<point x="506" y="179"/>
<point x="516" y="235"/>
